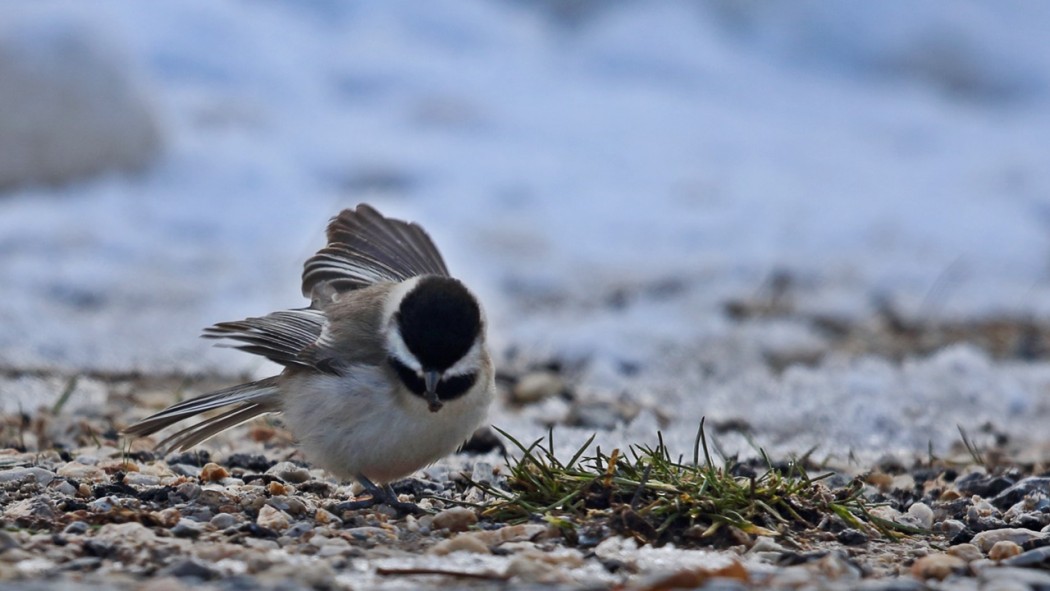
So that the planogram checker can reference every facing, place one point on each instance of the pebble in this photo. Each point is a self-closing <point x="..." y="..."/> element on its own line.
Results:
<point x="273" y="518"/>
<point x="39" y="475"/>
<point x="937" y="566"/>
<point x="371" y="534"/>
<point x="535" y="386"/>
<point x="921" y="515"/>
<point x="1004" y="549"/>
<point x="967" y="552"/>
<point x="186" y="470"/>
<point x="83" y="472"/>
<point x="1034" y="579"/>
<point x="224" y="521"/>
<point x="456" y="519"/>
<point x="186" y="529"/>
<point x="212" y="472"/>
<point x="140" y="479"/>
<point x="1037" y="557"/>
<point x="986" y="539"/>
<point x="289" y="472"/>
<point x="461" y="543"/>
<point x="30" y="512"/>
<point x="1019" y="491"/>
<point x="168" y="517"/>
<point x="323" y="516"/>
<point x="63" y="487"/>
<point x="7" y="541"/>
<point x="76" y="528"/>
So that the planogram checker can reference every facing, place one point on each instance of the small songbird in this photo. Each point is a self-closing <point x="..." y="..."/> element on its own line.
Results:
<point x="384" y="373"/>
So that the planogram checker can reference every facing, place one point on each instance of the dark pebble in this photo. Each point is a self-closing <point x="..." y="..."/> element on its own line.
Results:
<point x="192" y="458"/>
<point x="316" y="487"/>
<point x="83" y="563"/>
<point x="962" y="537"/>
<point x="97" y="549"/>
<point x="265" y="478"/>
<point x="157" y="494"/>
<point x="1016" y="493"/>
<point x="980" y="484"/>
<point x="1040" y="557"/>
<point x="118" y="489"/>
<point x="483" y="441"/>
<point x="189" y="568"/>
<point x="852" y="537"/>
<point x="257" y="531"/>
<point x="76" y="528"/>
<point x="415" y="487"/>
<point x="253" y="462"/>
<point x="793" y="558"/>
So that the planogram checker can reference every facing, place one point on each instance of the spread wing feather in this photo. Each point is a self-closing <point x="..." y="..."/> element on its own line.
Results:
<point x="279" y="337"/>
<point x="364" y="248"/>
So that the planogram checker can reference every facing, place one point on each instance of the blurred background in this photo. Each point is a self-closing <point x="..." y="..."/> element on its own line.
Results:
<point x="792" y="214"/>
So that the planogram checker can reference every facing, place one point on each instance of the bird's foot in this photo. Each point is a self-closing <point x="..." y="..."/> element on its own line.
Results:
<point x="384" y="495"/>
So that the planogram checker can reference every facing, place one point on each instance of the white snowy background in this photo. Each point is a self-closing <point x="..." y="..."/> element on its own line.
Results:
<point x="605" y="175"/>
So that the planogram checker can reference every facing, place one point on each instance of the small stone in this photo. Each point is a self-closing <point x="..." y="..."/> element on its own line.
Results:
<point x="7" y="542"/>
<point x="986" y="539"/>
<point x="950" y="527"/>
<point x="212" y="472"/>
<point x="369" y="534"/>
<point x="140" y="479"/>
<point x="272" y="518"/>
<point x="937" y="566"/>
<point x="186" y="470"/>
<point x="76" y="528"/>
<point x="535" y="386"/>
<point x="35" y="474"/>
<point x="456" y="519"/>
<point x="1038" y="557"/>
<point x="36" y="511"/>
<point x="1004" y="549"/>
<point x="63" y="487"/>
<point x="1033" y="578"/>
<point x="466" y="542"/>
<point x="967" y="552"/>
<point x="186" y="529"/>
<point x="852" y="537"/>
<point x="1019" y="491"/>
<point x="83" y="472"/>
<point x="298" y="529"/>
<point x="921" y="515"/>
<point x="169" y="517"/>
<point x="189" y="567"/>
<point x="325" y="517"/>
<point x="278" y="488"/>
<point x="289" y="472"/>
<point x="224" y="521"/>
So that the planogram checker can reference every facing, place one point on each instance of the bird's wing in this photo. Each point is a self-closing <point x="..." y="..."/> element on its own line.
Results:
<point x="365" y="248"/>
<point x="279" y="337"/>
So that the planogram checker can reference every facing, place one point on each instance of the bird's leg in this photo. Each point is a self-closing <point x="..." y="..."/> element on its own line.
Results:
<point x="384" y="495"/>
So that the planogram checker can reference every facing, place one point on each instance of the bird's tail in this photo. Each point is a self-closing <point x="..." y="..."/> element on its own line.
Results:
<point x="248" y="401"/>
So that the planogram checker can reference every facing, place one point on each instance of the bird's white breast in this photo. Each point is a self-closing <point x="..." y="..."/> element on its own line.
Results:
<point x="362" y="424"/>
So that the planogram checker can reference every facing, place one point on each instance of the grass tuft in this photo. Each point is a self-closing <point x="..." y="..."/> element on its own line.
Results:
<point x="645" y="493"/>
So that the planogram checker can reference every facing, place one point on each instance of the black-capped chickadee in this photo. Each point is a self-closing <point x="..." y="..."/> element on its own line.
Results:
<point x="385" y="372"/>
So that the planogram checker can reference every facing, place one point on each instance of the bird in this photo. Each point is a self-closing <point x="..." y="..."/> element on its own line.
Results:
<point x="385" y="372"/>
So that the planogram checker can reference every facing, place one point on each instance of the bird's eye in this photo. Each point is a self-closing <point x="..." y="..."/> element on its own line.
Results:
<point x="453" y="387"/>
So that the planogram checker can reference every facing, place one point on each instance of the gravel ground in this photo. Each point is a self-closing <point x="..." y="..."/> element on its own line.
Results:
<point x="83" y="508"/>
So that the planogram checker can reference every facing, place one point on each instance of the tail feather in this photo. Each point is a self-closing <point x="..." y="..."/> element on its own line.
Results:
<point x="190" y="436"/>
<point x="260" y="396"/>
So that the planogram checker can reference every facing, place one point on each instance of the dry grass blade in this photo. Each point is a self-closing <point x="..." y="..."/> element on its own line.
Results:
<point x="643" y="492"/>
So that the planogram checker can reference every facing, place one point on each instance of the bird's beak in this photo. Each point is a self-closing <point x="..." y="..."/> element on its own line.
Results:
<point x="431" y="379"/>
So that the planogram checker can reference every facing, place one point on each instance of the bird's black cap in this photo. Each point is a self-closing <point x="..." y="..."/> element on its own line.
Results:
<point x="439" y="321"/>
